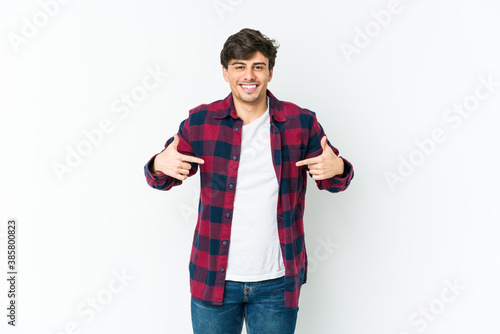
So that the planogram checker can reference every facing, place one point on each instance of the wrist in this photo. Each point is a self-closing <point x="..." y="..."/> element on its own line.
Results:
<point x="342" y="170"/>
<point x="153" y="167"/>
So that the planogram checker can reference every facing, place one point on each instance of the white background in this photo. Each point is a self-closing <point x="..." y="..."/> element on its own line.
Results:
<point x="394" y="247"/>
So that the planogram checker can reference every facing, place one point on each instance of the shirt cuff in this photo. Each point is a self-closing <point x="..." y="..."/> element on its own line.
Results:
<point x="149" y="171"/>
<point x="347" y="170"/>
<point x="346" y="175"/>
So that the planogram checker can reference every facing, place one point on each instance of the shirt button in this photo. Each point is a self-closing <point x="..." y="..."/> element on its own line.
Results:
<point x="231" y="186"/>
<point x="224" y="243"/>
<point x="228" y="215"/>
<point x="221" y="269"/>
<point x="236" y="129"/>
<point x="234" y="157"/>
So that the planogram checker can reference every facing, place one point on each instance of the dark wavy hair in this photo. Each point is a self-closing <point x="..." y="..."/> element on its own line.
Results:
<point x="245" y="43"/>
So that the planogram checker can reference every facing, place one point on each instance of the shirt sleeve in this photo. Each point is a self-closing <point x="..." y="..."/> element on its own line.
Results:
<point x="336" y="183"/>
<point x="162" y="181"/>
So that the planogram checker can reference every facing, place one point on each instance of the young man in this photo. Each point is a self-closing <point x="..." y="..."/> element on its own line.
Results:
<point x="248" y="259"/>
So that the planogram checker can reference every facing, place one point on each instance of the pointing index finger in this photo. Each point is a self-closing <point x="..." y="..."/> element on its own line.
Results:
<point x="306" y="161"/>
<point x="189" y="158"/>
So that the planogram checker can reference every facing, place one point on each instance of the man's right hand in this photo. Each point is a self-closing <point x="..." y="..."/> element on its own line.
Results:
<point x="173" y="163"/>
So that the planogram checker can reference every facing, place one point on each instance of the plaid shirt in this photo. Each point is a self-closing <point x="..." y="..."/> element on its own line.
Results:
<point x="213" y="132"/>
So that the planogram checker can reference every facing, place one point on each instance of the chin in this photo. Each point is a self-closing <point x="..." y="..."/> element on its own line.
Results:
<point x="250" y="99"/>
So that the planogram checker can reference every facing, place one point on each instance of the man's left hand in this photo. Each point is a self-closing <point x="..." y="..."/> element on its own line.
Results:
<point x="324" y="166"/>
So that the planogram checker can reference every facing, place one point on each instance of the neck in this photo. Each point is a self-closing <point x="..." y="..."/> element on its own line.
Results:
<point x="249" y="112"/>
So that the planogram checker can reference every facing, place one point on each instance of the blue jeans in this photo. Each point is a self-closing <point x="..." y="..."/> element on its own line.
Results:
<point x="260" y="304"/>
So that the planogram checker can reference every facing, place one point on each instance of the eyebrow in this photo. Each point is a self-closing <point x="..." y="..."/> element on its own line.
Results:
<point x="243" y="63"/>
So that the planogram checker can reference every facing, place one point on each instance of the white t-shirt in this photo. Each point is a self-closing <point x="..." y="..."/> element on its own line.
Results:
<point x="254" y="250"/>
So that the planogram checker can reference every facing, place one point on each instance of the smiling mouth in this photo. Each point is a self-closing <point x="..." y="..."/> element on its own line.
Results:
<point x="249" y="88"/>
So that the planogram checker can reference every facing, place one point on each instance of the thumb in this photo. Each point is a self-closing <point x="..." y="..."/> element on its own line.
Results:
<point x="324" y="144"/>
<point x="175" y="143"/>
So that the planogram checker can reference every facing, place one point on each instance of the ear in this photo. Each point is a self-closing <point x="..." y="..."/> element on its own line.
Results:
<point x="224" y="73"/>
<point x="270" y="75"/>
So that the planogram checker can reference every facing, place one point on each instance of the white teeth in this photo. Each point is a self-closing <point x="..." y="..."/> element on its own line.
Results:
<point x="249" y="87"/>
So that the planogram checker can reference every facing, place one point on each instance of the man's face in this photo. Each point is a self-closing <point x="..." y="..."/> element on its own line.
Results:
<point x="248" y="78"/>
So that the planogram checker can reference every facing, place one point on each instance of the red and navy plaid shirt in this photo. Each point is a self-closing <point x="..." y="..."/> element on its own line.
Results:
<point x="213" y="132"/>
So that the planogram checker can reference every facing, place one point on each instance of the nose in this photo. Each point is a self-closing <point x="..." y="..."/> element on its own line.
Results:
<point x="250" y="74"/>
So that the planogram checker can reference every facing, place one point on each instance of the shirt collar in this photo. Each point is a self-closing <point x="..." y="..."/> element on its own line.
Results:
<point x="227" y="108"/>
